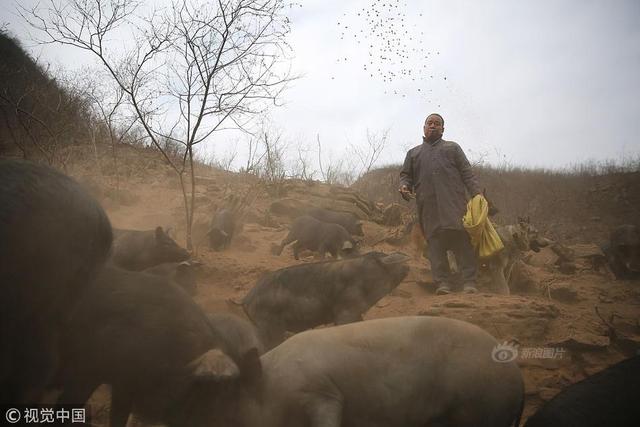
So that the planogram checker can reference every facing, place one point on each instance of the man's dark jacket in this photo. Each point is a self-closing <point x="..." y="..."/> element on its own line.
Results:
<point x="439" y="173"/>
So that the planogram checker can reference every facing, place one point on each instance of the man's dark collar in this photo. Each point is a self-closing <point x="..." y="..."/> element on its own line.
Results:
<point x="424" y="141"/>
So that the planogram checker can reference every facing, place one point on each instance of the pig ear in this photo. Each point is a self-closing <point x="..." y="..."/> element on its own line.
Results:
<point x="395" y="258"/>
<point x="159" y="233"/>
<point x="214" y="365"/>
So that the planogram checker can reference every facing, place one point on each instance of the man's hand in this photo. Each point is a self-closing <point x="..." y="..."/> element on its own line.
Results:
<point x="406" y="193"/>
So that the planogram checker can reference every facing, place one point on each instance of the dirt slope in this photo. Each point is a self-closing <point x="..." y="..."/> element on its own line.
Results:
<point x="560" y="336"/>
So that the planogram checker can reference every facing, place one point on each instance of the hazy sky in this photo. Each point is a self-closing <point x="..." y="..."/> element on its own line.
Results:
<point x="539" y="83"/>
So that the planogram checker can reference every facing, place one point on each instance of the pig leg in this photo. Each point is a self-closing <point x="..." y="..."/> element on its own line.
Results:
<point x="284" y="243"/>
<point x="296" y="250"/>
<point x="325" y="247"/>
<point x="497" y="267"/>
<point x="333" y="251"/>
<point x="121" y="404"/>
<point x="507" y="271"/>
<point x="322" y="251"/>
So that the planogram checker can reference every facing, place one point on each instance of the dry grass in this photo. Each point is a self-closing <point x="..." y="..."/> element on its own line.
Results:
<point x="579" y="203"/>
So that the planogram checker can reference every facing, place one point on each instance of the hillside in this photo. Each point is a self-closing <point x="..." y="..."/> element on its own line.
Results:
<point x="552" y="317"/>
<point x="575" y="207"/>
<point x="41" y="117"/>
<point x="565" y="324"/>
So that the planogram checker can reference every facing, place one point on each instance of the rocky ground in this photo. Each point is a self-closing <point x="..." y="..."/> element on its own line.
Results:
<point x="564" y="326"/>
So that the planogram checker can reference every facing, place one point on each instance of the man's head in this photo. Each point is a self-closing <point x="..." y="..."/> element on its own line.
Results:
<point x="433" y="127"/>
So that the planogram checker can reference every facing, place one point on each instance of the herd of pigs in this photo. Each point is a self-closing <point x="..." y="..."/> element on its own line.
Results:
<point x="84" y="304"/>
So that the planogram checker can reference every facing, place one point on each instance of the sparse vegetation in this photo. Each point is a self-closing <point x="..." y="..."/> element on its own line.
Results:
<point x="194" y="68"/>
<point x="39" y="115"/>
<point x="578" y="203"/>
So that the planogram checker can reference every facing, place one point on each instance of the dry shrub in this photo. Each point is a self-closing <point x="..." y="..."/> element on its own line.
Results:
<point x="581" y="203"/>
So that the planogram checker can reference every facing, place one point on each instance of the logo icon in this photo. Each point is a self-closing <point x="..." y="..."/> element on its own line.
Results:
<point x="12" y="415"/>
<point x="505" y="352"/>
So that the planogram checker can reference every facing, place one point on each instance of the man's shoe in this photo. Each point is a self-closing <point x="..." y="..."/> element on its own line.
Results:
<point x="443" y="290"/>
<point x="470" y="288"/>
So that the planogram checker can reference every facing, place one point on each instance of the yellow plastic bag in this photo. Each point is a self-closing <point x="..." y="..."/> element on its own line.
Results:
<point x="484" y="237"/>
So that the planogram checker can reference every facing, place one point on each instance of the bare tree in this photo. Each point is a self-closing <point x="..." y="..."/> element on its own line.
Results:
<point x="368" y="153"/>
<point x="224" y="161"/>
<point x="478" y="158"/>
<point x="341" y="171"/>
<point x="273" y="166"/>
<point x="194" y="68"/>
<point x="107" y="102"/>
<point x="301" y="167"/>
<point x="117" y="127"/>
<point x="255" y="156"/>
<point x="323" y="171"/>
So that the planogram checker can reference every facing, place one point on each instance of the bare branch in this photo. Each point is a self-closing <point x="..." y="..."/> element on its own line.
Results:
<point x="369" y="153"/>
<point x="192" y="69"/>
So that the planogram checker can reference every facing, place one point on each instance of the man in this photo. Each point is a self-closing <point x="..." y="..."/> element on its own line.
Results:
<point x="438" y="172"/>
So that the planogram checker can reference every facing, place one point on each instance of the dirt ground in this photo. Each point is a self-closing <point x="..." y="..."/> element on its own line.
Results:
<point x="560" y="337"/>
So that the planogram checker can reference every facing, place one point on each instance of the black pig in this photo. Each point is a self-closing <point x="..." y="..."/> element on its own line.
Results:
<point x="221" y="230"/>
<point x="623" y="252"/>
<point x="144" y="336"/>
<point x="53" y="237"/>
<point x="346" y="219"/>
<point x="608" y="398"/>
<point x="304" y="296"/>
<point x="315" y="235"/>
<point x="136" y="250"/>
